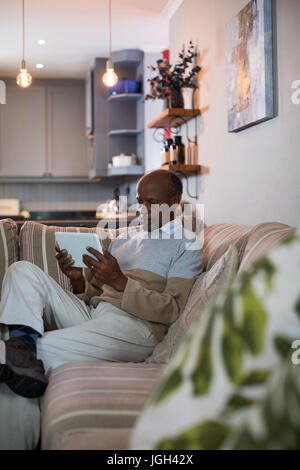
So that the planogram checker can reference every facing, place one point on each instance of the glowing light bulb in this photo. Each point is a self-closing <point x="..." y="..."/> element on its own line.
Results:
<point x="24" y="79"/>
<point x="110" y="78"/>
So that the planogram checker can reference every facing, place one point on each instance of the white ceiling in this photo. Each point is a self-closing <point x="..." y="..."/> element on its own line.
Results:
<point x="76" y="32"/>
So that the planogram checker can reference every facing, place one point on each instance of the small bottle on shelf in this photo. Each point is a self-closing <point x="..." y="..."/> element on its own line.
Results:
<point x="189" y="153"/>
<point x="170" y="145"/>
<point x="165" y="154"/>
<point x="195" y="152"/>
<point x="180" y="151"/>
<point x="173" y="156"/>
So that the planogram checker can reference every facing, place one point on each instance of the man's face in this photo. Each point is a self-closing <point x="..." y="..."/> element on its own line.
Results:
<point x="153" y="196"/>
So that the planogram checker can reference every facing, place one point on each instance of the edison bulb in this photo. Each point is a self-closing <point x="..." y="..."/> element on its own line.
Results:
<point x="110" y="78"/>
<point x="24" y="79"/>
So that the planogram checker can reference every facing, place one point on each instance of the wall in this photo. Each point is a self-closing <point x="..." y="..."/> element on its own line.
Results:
<point x="254" y="174"/>
<point x="153" y="138"/>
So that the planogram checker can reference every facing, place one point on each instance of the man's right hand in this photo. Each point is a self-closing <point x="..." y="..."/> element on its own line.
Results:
<point x="74" y="274"/>
<point x="66" y="265"/>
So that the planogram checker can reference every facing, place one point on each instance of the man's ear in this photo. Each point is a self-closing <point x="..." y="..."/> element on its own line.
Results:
<point x="176" y="199"/>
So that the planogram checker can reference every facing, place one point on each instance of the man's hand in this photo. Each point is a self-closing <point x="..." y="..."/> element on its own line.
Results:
<point x="106" y="269"/>
<point x="66" y="266"/>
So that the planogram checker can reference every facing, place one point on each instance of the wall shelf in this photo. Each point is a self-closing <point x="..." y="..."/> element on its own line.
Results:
<point x="118" y="119"/>
<point x="125" y="133"/>
<point x="125" y="97"/>
<point x="182" y="168"/>
<point x="128" y="57"/>
<point x="174" y="117"/>
<point x="120" y="171"/>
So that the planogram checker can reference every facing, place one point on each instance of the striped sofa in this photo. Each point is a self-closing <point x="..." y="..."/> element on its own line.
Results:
<point x="95" y="405"/>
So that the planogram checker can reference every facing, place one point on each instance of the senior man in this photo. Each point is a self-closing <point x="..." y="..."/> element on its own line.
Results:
<point x="120" y="307"/>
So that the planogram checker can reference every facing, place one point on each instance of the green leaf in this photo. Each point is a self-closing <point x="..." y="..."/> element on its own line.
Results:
<point x="170" y="386"/>
<point x="244" y="440"/>
<point x="269" y="270"/>
<point x="254" y="321"/>
<point x="232" y="349"/>
<point x="236" y="402"/>
<point x="297" y="307"/>
<point x="203" y="371"/>
<point x="290" y="239"/>
<point x="256" y="377"/>
<point x="208" y="435"/>
<point x="283" y="346"/>
<point x="170" y="383"/>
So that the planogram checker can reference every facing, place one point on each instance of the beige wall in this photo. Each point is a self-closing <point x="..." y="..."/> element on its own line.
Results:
<point x="255" y="174"/>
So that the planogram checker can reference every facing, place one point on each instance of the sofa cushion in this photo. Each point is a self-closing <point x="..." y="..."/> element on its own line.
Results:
<point x="37" y="245"/>
<point x="227" y="362"/>
<point x="208" y="285"/>
<point x="95" y="405"/>
<point x="218" y="238"/>
<point x="262" y="237"/>
<point x="9" y="251"/>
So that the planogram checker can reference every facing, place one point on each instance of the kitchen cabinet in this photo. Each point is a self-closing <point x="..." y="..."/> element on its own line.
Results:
<point x="67" y="146"/>
<point x="42" y="132"/>
<point x="23" y="132"/>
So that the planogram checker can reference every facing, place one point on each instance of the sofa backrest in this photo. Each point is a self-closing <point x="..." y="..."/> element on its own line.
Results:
<point x="9" y="249"/>
<point x="261" y="238"/>
<point x="37" y="243"/>
<point x="251" y="241"/>
<point x="218" y="238"/>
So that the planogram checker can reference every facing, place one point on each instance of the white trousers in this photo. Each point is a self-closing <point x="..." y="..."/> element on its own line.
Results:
<point x="81" y="333"/>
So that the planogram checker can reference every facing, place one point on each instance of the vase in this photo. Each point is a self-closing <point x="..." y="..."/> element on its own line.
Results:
<point x="188" y="94"/>
<point x="176" y="99"/>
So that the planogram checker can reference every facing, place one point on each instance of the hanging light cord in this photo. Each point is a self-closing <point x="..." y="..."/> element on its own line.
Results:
<point x="110" y="30"/>
<point x="23" y="26"/>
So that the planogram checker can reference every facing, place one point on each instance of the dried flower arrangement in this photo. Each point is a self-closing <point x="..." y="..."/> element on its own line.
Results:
<point x="171" y="80"/>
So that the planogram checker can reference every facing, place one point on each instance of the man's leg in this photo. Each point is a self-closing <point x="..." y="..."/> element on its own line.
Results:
<point x="28" y="293"/>
<point x="111" y="335"/>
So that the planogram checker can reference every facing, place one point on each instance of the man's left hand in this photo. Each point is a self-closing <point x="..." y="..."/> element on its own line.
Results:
<point x="106" y="269"/>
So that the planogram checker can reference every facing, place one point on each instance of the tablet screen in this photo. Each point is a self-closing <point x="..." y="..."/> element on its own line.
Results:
<point x="75" y="243"/>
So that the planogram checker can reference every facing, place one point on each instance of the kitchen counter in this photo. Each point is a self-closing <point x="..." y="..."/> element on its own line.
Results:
<point x="73" y="219"/>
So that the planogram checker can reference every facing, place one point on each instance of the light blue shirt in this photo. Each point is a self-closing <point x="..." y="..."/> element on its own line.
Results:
<point x="169" y="251"/>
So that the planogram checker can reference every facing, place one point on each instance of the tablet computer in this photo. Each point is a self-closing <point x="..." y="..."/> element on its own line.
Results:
<point x="75" y="243"/>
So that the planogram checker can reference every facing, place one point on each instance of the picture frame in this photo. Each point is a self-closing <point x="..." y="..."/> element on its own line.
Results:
<point x="250" y="76"/>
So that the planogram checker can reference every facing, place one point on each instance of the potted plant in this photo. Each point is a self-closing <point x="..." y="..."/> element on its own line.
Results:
<point x="171" y="80"/>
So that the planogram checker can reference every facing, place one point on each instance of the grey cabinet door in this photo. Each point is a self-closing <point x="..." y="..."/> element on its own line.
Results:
<point x="67" y="143"/>
<point x="23" y="132"/>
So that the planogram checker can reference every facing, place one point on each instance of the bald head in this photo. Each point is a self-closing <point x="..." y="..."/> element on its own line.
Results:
<point x="167" y="180"/>
<point x="158" y="188"/>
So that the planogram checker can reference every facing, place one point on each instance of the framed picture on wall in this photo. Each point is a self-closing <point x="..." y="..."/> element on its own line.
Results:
<point x="250" y="81"/>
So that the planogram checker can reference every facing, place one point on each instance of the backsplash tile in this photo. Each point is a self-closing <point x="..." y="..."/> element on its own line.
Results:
<point x="59" y="196"/>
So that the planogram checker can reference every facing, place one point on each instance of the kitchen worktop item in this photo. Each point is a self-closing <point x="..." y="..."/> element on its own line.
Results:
<point x="9" y="206"/>
<point x="122" y="160"/>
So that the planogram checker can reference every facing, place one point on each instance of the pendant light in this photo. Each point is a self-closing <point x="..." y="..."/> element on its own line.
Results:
<point x="24" y="79"/>
<point x="110" y="78"/>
